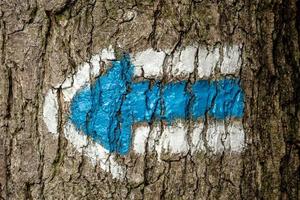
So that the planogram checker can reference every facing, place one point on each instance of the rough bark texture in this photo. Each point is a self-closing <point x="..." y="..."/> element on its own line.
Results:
<point x="44" y="41"/>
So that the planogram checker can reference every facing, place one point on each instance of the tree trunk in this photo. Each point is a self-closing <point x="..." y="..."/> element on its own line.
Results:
<point x="45" y="42"/>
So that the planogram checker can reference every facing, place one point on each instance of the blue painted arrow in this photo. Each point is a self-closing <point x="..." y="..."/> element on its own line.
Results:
<point x="107" y="109"/>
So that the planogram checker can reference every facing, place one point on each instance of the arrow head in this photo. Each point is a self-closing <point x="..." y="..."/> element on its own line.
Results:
<point x="107" y="109"/>
<point x="95" y="109"/>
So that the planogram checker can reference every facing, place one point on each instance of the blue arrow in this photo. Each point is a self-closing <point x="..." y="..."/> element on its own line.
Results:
<point x="107" y="109"/>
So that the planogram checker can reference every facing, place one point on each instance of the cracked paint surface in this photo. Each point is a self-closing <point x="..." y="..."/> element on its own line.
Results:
<point x="144" y="102"/>
<point x="107" y="110"/>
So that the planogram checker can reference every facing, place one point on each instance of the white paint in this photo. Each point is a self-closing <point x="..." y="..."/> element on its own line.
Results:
<point x="94" y="151"/>
<point x="208" y="60"/>
<point x="50" y="111"/>
<point x="153" y="139"/>
<point x="220" y="137"/>
<point x="174" y="138"/>
<point x="141" y="135"/>
<point x="231" y="59"/>
<point x="150" y="61"/>
<point x="108" y="54"/>
<point x="80" y="141"/>
<point x="95" y="65"/>
<point x="81" y="78"/>
<point x="184" y="61"/>
<point x="236" y="139"/>
<point x="85" y="72"/>
<point x="196" y="137"/>
<point x="216" y="137"/>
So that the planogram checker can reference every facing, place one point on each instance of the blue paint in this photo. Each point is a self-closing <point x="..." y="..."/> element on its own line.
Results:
<point x="203" y="92"/>
<point x="229" y="99"/>
<point x="107" y="110"/>
<point x="175" y="101"/>
<point x="80" y="107"/>
<point x="105" y="98"/>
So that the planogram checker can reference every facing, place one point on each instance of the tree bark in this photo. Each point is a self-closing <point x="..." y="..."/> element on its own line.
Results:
<point x="42" y="42"/>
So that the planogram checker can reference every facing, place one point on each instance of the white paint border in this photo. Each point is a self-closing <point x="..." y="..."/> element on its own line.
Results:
<point x="174" y="138"/>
